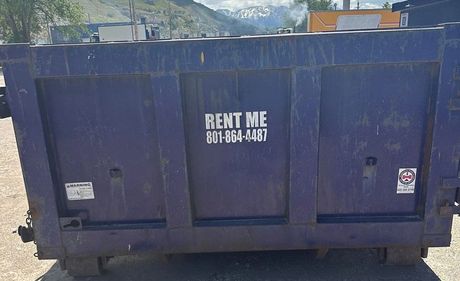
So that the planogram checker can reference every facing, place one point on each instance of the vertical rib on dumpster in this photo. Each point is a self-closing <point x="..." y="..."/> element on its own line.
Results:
<point x="304" y="145"/>
<point x="32" y="149"/>
<point x="172" y="151"/>
<point x="445" y="156"/>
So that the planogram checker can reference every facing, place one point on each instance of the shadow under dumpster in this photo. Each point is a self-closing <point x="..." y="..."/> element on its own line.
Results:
<point x="288" y="265"/>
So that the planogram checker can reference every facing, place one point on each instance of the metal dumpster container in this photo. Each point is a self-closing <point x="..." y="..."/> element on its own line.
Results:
<point x="314" y="141"/>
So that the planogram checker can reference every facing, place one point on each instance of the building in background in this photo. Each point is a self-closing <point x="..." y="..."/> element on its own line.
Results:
<point x="416" y="13"/>
<point x="319" y="21"/>
<point x="106" y="32"/>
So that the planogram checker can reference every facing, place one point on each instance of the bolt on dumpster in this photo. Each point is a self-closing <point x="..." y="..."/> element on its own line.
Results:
<point x="314" y="141"/>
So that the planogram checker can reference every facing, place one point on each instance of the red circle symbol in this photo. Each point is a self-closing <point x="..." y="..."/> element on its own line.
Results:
<point x="407" y="177"/>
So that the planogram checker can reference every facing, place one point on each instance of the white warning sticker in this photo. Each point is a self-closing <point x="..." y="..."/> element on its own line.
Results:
<point x="406" y="180"/>
<point x="79" y="191"/>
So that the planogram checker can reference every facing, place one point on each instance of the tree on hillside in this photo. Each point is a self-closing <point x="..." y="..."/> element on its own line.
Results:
<point x="21" y="19"/>
<point x="386" y="5"/>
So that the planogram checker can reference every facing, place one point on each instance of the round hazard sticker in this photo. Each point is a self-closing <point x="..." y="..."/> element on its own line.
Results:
<point x="406" y="180"/>
<point x="407" y="176"/>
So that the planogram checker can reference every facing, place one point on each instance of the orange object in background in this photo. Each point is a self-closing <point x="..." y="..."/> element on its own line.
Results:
<point x="328" y="20"/>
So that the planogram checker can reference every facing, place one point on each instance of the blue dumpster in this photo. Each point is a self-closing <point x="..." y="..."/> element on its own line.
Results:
<point x="312" y="141"/>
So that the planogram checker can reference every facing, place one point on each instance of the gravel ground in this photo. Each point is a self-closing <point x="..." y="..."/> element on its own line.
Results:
<point x="17" y="261"/>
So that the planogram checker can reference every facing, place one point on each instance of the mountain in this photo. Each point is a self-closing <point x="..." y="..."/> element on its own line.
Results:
<point x="187" y="16"/>
<point x="226" y="12"/>
<point x="266" y="17"/>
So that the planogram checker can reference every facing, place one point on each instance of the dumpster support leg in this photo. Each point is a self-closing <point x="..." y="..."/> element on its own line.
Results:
<point x="402" y="256"/>
<point x="84" y="267"/>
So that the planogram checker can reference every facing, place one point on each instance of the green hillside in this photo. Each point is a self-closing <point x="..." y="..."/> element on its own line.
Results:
<point x="186" y="16"/>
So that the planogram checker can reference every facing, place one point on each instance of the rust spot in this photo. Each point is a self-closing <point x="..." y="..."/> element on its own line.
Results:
<point x="34" y="211"/>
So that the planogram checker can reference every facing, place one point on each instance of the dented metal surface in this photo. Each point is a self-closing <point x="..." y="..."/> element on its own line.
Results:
<point x="285" y="142"/>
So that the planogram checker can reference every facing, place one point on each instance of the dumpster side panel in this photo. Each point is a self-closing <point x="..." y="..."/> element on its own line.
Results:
<point x="237" y="128"/>
<point x="373" y="123"/>
<point x="103" y="131"/>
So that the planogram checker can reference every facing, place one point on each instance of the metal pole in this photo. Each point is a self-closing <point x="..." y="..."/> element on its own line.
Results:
<point x="131" y="17"/>
<point x="170" y="21"/>
<point x="136" y="31"/>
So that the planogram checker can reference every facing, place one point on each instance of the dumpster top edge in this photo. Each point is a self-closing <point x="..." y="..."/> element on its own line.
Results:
<point x="243" y="37"/>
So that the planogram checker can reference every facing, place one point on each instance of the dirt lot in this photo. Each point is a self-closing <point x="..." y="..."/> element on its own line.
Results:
<point x="17" y="261"/>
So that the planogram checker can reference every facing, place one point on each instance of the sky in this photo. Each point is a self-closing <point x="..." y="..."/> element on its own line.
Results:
<point x="239" y="4"/>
